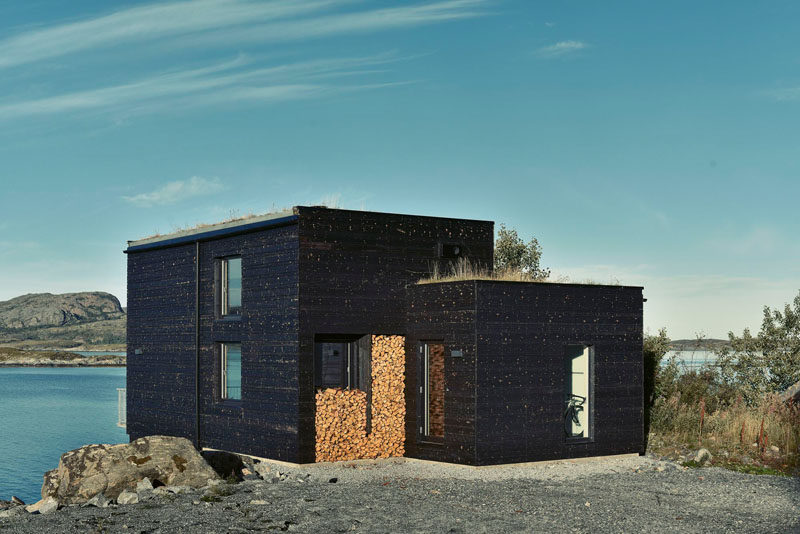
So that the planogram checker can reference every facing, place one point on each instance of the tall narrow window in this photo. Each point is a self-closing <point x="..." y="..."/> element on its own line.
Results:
<point x="577" y="414"/>
<point x="231" y="286"/>
<point x="432" y="390"/>
<point x="231" y="366"/>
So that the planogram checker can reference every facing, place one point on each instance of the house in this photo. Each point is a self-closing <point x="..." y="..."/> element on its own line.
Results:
<point x="303" y="336"/>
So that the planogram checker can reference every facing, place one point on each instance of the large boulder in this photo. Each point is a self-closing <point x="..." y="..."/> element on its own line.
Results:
<point x="111" y="469"/>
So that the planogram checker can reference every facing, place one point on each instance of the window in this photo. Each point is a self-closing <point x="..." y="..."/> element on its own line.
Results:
<point x="431" y="398"/>
<point x="342" y="362"/>
<point x="451" y="250"/>
<point x="231" y="366"/>
<point x="230" y="286"/>
<point x="579" y="390"/>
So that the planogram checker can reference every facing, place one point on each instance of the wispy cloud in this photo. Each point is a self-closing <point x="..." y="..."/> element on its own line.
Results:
<point x="145" y="23"/>
<point x="234" y="82"/>
<point x="174" y="192"/>
<point x="784" y="95"/>
<point x="561" y="49"/>
<point x="228" y="21"/>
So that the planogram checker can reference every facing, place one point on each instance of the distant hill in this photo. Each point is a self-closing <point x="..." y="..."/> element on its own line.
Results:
<point x="72" y="320"/>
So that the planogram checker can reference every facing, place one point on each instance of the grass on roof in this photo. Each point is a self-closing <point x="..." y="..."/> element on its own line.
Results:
<point x="233" y="216"/>
<point x="462" y="270"/>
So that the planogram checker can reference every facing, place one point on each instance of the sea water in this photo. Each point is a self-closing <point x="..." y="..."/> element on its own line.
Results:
<point x="46" y="411"/>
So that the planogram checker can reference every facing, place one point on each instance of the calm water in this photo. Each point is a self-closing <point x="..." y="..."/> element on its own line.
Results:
<point x="691" y="360"/>
<point x="47" y="411"/>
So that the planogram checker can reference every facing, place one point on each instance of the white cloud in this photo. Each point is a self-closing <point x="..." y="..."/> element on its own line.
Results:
<point x="231" y="83"/>
<point x="784" y="95"/>
<point x="173" y="192"/>
<point x="227" y="21"/>
<point x="144" y="23"/>
<point x="560" y="49"/>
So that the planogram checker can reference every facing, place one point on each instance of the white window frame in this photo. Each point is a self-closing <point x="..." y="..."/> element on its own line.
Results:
<point x="224" y="304"/>
<point x="224" y="370"/>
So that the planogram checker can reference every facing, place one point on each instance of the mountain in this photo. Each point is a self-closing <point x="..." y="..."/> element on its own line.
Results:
<point x="70" y="320"/>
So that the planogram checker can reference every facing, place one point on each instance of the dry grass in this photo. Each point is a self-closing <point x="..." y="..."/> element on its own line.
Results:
<point x="463" y="270"/>
<point x="233" y="216"/>
<point x="734" y="434"/>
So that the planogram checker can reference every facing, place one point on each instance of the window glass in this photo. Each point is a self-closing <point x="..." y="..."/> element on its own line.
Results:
<point x="342" y="361"/>
<point x="232" y="371"/>
<point x="433" y="390"/>
<point x="578" y="380"/>
<point x="233" y="286"/>
<point x="332" y="361"/>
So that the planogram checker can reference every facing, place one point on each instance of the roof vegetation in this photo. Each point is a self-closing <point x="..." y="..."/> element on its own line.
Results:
<point x="233" y="216"/>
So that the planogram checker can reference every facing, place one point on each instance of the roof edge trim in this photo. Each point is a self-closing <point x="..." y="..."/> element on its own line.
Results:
<point x="206" y="235"/>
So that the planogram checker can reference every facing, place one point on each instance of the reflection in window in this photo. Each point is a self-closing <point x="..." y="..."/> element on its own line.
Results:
<point x="231" y="286"/>
<point x="231" y="371"/>
<point x="342" y="362"/>
<point x="433" y="390"/>
<point x="578" y="390"/>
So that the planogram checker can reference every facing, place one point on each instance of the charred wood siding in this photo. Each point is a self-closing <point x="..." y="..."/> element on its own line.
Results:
<point x="522" y="331"/>
<point x="264" y="422"/>
<point x="504" y="400"/>
<point x="160" y="379"/>
<point x="354" y="268"/>
<point x="161" y="396"/>
<point x="443" y="313"/>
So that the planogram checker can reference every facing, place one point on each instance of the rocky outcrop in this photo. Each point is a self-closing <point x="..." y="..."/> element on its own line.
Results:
<point x="113" y="469"/>
<point x="39" y="310"/>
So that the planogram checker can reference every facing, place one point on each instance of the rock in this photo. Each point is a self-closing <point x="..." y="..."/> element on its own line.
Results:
<point x="773" y="448"/>
<point x="12" y="512"/>
<point x="110" y="469"/>
<point x="259" y="502"/>
<point x="144" y="485"/>
<point x="128" y="497"/>
<point x="99" y="500"/>
<point x="262" y="470"/>
<point x="45" y="506"/>
<point x="178" y="490"/>
<point x="226" y="464"/>
<point x="45" y="309"/>
<point x="702" y="456"/>
<point x="247" y="474"/>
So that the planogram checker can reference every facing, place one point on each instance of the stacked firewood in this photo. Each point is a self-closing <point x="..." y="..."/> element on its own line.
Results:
<point x="341" y="419"/>
<point x="388" y="434"/>
<point x="341" y="424"/>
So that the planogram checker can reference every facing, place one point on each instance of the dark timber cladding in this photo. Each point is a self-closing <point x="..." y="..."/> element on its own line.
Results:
<point x="311" y="272"/>
<point x="354" y="269"/>
<point x="505" y="393"/>
<point x="161" y="344"/>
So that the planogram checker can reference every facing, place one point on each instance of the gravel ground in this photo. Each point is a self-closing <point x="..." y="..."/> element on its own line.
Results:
<point x="630" y="494"/>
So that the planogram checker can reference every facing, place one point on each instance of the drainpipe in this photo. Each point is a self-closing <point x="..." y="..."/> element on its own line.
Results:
<point x="197" y="344"/>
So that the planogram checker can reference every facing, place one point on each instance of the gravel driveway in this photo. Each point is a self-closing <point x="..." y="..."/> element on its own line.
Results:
<point x="629" y="494"/>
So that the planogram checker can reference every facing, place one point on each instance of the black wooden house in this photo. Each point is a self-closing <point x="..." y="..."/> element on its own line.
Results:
<point x="242" y="334"/>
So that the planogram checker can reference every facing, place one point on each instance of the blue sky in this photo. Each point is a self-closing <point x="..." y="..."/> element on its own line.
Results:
<point x="649" y="143"/>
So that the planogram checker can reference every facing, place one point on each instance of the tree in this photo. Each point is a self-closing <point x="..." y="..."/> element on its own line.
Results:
<point x="654" y="350"/>
<point x="768" y="362"/>
<point x="512" y="254"/>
